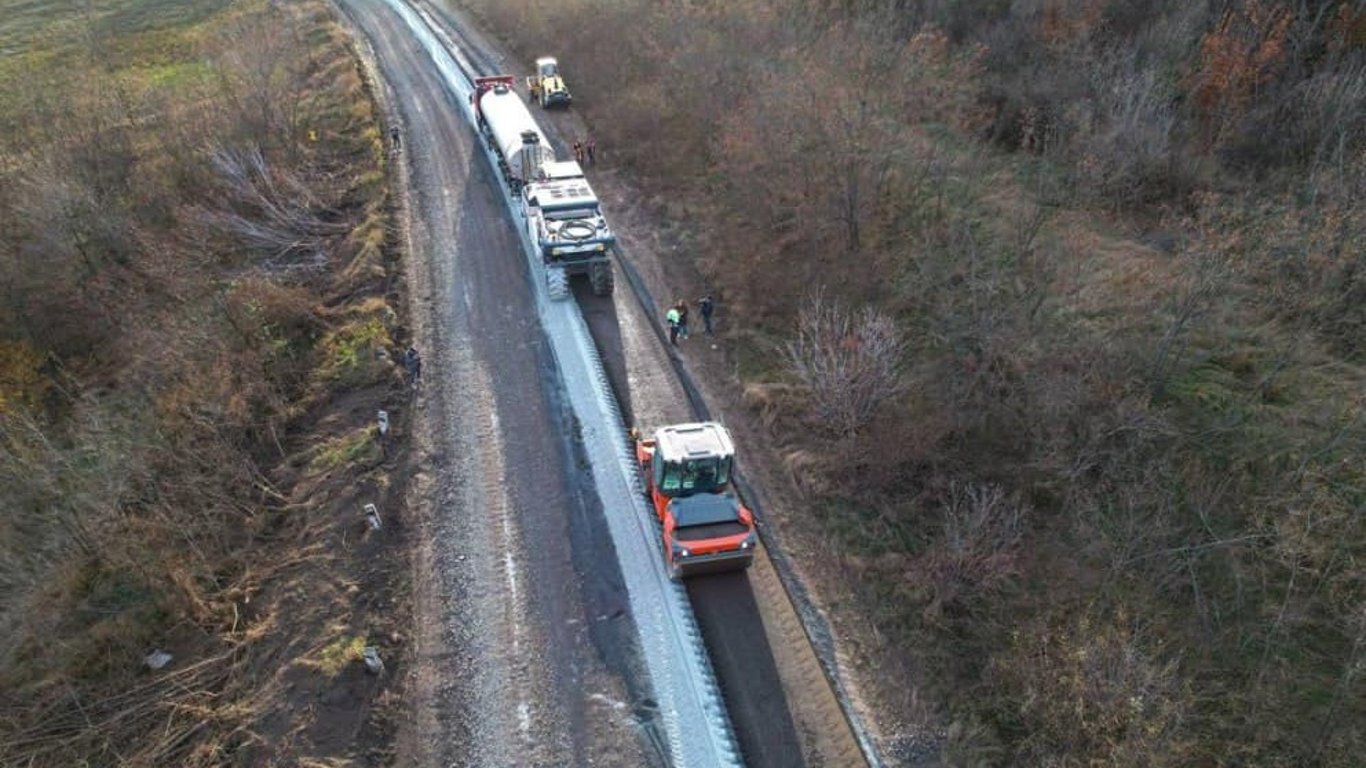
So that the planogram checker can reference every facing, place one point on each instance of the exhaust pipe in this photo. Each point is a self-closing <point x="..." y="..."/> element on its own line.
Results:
<point x="531" y="155"/>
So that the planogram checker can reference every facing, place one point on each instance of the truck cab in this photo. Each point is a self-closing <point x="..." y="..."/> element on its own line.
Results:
<point x="565" y="220"/>
<point x="687" y="470"/>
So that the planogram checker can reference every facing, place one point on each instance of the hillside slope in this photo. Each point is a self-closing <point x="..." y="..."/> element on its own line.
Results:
<point x="1113" y="513"/>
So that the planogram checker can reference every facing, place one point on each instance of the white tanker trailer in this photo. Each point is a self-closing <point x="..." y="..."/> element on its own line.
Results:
<point x="509" y="129"/>
<point x="559" y="208"/>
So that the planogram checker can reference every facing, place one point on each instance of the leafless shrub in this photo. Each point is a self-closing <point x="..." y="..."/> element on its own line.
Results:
<point x="1336" y="105"/>
<point x="262" y="76"/>
<point x="70" y="219"/>
<point x="849" y="362"/>
<point x="977" y="549"/>
<point x="270" y="209"/>
<point x="1129" y="158"/>
<point x="1095" y="690"/>
<point x="1193" y="302"/>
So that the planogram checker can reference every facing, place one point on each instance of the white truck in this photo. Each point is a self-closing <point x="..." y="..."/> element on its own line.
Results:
<point x="562" y="214"/>
<point x="565" y="221"/>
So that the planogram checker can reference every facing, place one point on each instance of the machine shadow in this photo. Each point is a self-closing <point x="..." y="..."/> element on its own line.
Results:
<point x="601" y="315"/>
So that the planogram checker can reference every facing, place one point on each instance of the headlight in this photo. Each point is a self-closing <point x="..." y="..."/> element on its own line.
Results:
<point x="556" y="251"/>
<point x="746" y="544"/>
<point x="680" y="551"/>
<point x="601" y="247"/>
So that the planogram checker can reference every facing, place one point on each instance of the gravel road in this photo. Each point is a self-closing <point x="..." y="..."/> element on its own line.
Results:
<point x="726" y="606"/>
<point x="524" y="650"/>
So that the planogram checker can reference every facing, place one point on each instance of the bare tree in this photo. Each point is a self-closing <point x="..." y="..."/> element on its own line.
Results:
<point x="850" y="362"/>
<point x="263" y="77"/>
<point x="271" y="210"/>
<point x="982" y="529"/>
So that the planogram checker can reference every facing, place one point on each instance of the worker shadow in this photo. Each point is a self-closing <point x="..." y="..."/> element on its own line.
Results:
<point x="728" y="615"/>
<point x="601" y="315"/>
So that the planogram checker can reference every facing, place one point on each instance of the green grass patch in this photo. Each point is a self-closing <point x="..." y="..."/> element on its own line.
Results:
<point x="350" y="353"/>
<point x="339" y="653"/>
<point x="866" y="530"/>
<point x="175" y="75"/>
<point x="27" y="25"/>
<point x="757" y="355"/>
<point x="358" y="447"/>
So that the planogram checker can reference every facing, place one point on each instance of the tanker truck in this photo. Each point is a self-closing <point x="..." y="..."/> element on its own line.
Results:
<point x="562" y="214"/>
<point x="506" y="125"/>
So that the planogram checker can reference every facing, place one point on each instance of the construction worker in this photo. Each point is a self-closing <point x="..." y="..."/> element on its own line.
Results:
<point x="672" y="318"/>
<point x="682" y="319"/>
<point x="578" y="151"/>
<point x="535" y="89"/>
<point x="412" y="361"/>
<point x="592" y="148"/>
<point x="705" y="304"/>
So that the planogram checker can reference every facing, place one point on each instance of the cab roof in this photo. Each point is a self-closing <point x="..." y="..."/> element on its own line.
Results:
<point x="562" y="193"/>
<point x="561" y="169"/>
<point x="686" y="442"/>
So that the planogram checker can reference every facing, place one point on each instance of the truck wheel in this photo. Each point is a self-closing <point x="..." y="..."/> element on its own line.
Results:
<point x="557" y="283"/>
<point x="601" y="277"/>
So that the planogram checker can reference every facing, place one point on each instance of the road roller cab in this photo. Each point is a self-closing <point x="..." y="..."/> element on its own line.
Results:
<point x="687" y="470"/>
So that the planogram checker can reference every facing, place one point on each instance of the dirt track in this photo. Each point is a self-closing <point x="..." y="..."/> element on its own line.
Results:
<point x="524" y="652"/>
<point x="783" y="708"/>
<point x="501" y="390"/>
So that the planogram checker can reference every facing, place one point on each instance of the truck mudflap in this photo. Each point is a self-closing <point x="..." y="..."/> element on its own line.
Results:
<point x="715" y="562"/>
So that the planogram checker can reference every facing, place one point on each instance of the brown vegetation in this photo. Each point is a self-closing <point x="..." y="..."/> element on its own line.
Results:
<point x="1125" y="244"/>
<point x="191" y="298"/>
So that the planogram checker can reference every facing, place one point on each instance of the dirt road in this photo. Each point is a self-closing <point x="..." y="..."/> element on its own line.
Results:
<point x="525" y="653"/>
<point x="783" y="709"/>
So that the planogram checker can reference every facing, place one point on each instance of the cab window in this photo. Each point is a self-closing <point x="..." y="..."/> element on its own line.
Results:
<point x="704" y="475"/>
<point x="668" y="476"/>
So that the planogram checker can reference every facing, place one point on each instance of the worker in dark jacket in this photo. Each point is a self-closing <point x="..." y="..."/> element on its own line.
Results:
<point x="412" y="361"/>
<point x="707" y="307"/>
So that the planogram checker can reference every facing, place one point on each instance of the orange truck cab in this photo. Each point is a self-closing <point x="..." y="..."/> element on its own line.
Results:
<point x="687" y="470"/>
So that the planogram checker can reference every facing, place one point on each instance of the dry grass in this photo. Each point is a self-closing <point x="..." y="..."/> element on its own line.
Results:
<point x="165" y="360"/>
<point x="1116" y="324"/>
